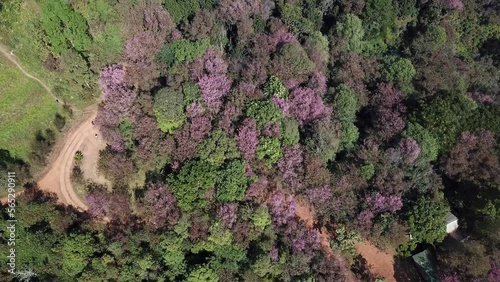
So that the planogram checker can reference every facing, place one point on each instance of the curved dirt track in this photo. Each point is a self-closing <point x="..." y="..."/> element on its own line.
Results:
<point x="57" y="179"/>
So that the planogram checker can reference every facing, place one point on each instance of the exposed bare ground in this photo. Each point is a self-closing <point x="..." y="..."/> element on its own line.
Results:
<point x="380" y="264"/>
<point x="57" y="179"/>
<point x="306" y="214"/>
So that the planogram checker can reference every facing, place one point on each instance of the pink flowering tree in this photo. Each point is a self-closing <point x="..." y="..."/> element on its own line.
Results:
<point x="306" y="105"/>
<point x="227" y="214"/>
<point x="118" y="100"/>
<point x="248" y="138"/>
<point x="388" y="112"/>
<point x="235" y="10"/>
<point x="317" y="82"/>
<point x="407" y="151"/>
<point x="291" y="168"/>
<point x="282" y="208"/>
<point x="160" y="206"/>
<point x="210" y="71"/>
<point x="139" y="56"/>
<point x="453" y="4"/>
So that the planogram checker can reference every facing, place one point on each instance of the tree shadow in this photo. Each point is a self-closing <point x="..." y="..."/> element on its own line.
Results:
<point x="361" y="268"/>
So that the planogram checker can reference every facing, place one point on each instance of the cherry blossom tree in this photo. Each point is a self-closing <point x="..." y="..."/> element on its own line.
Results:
<point x="306" y="105"/>
<point x="210" y="71"/>
<point x="248" y="138"/>
<point x="160" y="206"/>
<point x="388" y="113"/>
<point x="291" y="168"/>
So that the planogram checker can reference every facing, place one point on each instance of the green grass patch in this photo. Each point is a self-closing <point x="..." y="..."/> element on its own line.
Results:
<point x="25" y="108"/>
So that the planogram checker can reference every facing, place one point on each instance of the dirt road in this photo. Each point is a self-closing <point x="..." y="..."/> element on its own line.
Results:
<point x="57" y="180"/>
<point x="307" y="215"/>
<point x="380" y="263"/>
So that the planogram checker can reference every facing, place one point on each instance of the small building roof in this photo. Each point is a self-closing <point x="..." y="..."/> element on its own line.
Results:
<point x="426" y="266"/>
<point x="450" y="218"/>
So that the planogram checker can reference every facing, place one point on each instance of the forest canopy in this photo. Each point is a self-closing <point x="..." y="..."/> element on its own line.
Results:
<point x="224" y="118"/>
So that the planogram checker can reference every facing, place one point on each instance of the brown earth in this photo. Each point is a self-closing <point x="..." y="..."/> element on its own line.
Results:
<point x="380" y="264"/>
<point x="307" y="215"/>
<point x="57" y="179"/>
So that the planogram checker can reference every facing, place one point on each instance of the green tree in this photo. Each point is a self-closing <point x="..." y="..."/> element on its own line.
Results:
<point x="445" y="116"/>
<point x="428" y="144"/>
<point x="63" y="27"/>
<point x="290" y="131"/>
<point x="232" y="182"/>
<point x="218" y="148"/>
<point x="169" y="109"/>
<point x="203" y="273"/>
<point x="269" y="150"/>
<point x="398" y="70"/>
<point x="346" y="103"/>
<point x="317" y="45"/>
<point x="292" y="16"/>
<point x="77" y="251"/>
<point x="292" y="62"/>
<point x="191" y="183"/>
<point x="264" y="112"/>
<point x="350" y="29"/>
<point x="274" y="86"/>
<point x="380" y="20"/>
<point x="191" y="92"/>
<point x="261" y="218"/>
<point x="183" y="50"/>
<point x="181" y="9"/>
<point x="426" y="222"/>
<point x="173" y="248"/>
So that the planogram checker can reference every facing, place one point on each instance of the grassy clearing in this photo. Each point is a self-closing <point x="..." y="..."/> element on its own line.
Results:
<point x="25" y="108"/>
<point x="24" y="40"/>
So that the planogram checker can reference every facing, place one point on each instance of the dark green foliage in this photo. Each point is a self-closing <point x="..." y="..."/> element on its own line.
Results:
<point x="398" y="70"/>
<point x="264" y="112"/>
<point x="181" y="51"/>
<point x="350" y="29"/>
<point x="293" y="18"/>
<point x="75" y="252"/>
<point x="269" y="150"/>
<point x="445" y="117"/>
<point x="181" y="9"/>
<point x="274" y="86"/>
<point x="63" y="27"/>
<point x="191" y="183"/>
<point x="346" y="105"/>
<point x="191" y="92"/>
<point x="232" y="182"/>
<point x="292" y="61"/>
<point x="218" y="148"/>
<point x="291" y="133"/>
<point x="380" y="20"/>
<point x="59" y="121"/>
<point x="426" y="222"/>
<point x="428" y="144"/>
